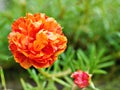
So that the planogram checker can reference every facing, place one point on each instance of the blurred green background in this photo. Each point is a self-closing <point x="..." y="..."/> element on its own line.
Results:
<point x="86" y="23"/>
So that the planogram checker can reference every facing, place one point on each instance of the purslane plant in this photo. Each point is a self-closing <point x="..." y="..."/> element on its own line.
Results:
<point x="37" y="40"/>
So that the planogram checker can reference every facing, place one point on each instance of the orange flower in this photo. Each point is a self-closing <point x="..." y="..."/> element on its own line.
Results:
<point x="36" y="40"/>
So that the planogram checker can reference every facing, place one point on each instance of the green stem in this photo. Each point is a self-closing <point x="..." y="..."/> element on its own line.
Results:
<point x="54" y="76"/>
<point x="60" y="81"/>
<point x="3" y="79"/>
<point x="47" y="75"/>
<point x="59" y="74"/>
<point x="93" y="86"/>
<point x="74" y="87"/>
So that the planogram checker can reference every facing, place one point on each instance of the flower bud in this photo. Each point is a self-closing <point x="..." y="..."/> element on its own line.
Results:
<point x="81" y="79"/>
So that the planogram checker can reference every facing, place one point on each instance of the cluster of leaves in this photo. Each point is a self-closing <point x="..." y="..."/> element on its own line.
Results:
<point x="92" y="29"/>
<point x="94" y="63"/>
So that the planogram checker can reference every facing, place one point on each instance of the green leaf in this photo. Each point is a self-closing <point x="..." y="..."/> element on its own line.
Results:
<point x="99" y="71"/>
<point x="68" y="80"/>
<point x="106" y="64"/>
<point x="92" y="54"/>
<point x="51" y="86"/>
<point x="106" y="58"/>
<point x="23" y="84"/>
<point x="4" y="57"/>
<point x="92" y="58"/>
<point x="83" y="56"/>
<point x="2" y="78"/>
<point x="80" y="61"/>
<point x="56" y="66"/>
<point x="10" y="58"/>
<point x="72" y="66"/>
<point x="101" y="52"/>
<point x="34" y="75"/>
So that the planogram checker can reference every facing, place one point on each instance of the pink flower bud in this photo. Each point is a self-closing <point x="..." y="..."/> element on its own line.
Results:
<point x="81" y="79"/>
